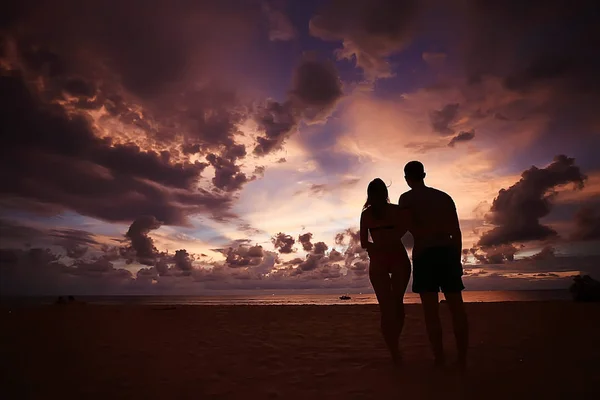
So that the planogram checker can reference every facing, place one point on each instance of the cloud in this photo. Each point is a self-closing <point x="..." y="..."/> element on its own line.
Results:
<point x="311" y="263"/>
<point x="441" y="119"/>
<point x="516" y="211"/>
<point x="276" y="121"/>
<point x="183" y="260"/>
<point x="305" y="240"/>
<point x="228" y="176"/>
<point x="244" y="256"/>
<point x="349" y="236"/>
<point x="74" y="242"/>
<point x="150" y="48"/>
<point x="370" y="31"/>
<point x="463" y="136"/>
<point x="280" y="26"/>
<point x="559" y="59"/>
<point x="283" y="243"/>
<point x="587" y="224"/>
<point x="547" y="252"/>
<point x="435" y="59"/>
<point x="38" y="271"/>
<point x="124" y="115"/>
<point x="142" y="244"/>
<point x="320" y="248"/>
<point x="323" y="188"/>
<point x="316" y="89"/>
<point x="494" y="254"/>
<point x="57" y="160"/>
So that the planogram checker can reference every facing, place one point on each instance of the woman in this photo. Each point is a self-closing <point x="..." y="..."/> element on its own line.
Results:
<point x="389" y="267"/>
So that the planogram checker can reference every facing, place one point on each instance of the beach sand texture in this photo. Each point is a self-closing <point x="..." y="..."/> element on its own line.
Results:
<point x="546" y="350"/>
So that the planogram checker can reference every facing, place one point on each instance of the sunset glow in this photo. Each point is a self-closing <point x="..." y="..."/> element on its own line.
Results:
<point x="201" y="146"/>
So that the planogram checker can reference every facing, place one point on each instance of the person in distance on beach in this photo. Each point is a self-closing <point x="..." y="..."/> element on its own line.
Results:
<point x="436" y="258"/>
<point x="389" y="265"/>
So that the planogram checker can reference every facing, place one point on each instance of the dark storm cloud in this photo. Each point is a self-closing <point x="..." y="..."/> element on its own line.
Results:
<point x="141" y="65"/>
<point x="516" y="211"/>
<point x="148" y="47"/>
<point x="55" y="158"/>
<point x="463" y="136"/>
<point x="277" y="121"/>
<point x="283" y="243"/>
<point x="587" y="224"/>
<point x="207" y="117"/>
<point x="228" y="176"/>
<point x="549" y="45"/>
<point x="370" y="30"/>
<point x="441" y="119"/>
<point x="316" y="89"/>
<point x="140" y="242"/>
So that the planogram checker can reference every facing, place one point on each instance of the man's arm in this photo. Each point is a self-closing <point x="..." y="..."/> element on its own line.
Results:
<point x="402" y="201"/>
<point x="404" y="214"/>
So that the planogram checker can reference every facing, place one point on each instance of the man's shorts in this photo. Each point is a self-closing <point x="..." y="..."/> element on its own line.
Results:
<point x="437" y="268"/>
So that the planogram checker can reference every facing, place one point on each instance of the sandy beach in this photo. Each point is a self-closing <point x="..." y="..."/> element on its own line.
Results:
<point x="547" y="350"/>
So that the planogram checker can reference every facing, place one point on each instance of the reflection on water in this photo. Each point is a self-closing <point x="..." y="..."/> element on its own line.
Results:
<point x="299" y="299"/>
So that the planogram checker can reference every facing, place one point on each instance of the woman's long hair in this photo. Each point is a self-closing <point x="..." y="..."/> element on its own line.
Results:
<point x="377" y="197"/>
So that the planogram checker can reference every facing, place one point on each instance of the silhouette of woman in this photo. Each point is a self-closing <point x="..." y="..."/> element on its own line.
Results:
<point x="389" y="267"/>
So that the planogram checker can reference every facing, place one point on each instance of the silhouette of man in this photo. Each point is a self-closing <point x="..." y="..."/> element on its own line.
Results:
<point x="436" y="258"/>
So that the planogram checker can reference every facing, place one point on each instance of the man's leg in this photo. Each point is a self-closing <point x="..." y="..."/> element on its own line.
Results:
<point x="433" y="324"/>
<point x="460" y="323"/>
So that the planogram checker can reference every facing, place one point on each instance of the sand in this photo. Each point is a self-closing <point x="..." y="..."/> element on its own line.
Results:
<point x="547" y="350"/>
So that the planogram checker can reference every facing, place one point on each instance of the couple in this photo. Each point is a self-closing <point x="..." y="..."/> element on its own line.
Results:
<point x="430" y="216"/>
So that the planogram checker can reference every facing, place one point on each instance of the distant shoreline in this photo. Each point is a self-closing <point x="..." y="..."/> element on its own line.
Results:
<point x="277" y="300"/>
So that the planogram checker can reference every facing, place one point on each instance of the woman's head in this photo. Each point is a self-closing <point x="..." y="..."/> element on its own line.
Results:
<point x="377" y="194"/>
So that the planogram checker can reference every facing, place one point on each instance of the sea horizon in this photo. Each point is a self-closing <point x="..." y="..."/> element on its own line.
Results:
<point x="295" y="299"/>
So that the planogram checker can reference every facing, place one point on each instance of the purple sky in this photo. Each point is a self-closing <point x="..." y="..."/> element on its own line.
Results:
<point x="214" y="146"/>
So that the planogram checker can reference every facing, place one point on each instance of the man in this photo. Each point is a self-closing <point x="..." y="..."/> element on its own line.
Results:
<point x="436" y="258"/>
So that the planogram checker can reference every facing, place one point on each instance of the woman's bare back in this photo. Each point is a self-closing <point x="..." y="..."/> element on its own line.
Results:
<point x="386" y="230"/>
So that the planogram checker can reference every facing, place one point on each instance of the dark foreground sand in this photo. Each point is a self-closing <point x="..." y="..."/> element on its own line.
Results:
<point x="545" y="350"/>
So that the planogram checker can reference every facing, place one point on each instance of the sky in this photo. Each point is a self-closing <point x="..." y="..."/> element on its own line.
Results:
<point x="225" y="146"/>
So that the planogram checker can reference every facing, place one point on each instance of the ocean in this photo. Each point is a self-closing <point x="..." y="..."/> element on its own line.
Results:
<point x="292" y="299"/>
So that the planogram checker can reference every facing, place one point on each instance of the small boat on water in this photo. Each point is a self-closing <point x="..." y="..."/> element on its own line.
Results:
<point x="345" y="297"/>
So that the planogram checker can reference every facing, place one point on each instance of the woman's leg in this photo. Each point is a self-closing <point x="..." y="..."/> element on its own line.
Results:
<point x="382" y="284"/>
<point x="400" y="278"/>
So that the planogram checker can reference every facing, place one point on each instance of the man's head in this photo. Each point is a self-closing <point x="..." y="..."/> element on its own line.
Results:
<point x="414" y="173"/>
